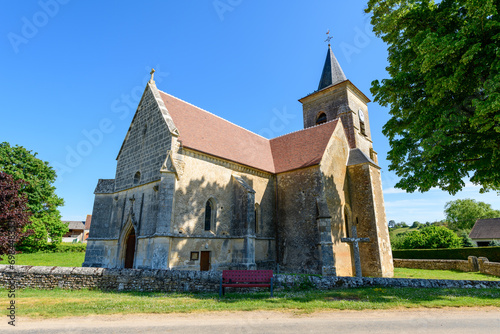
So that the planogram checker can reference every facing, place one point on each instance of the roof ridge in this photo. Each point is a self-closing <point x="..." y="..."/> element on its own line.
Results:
<point x="314" y="126"/>
<point x="208" y="112"/>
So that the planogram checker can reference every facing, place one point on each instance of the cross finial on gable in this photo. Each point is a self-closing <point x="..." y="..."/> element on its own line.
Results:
<point x="328" y="38"/>
<point x="152" y="75"/>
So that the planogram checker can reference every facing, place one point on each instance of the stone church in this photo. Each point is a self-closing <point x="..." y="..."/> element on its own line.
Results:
<point x="193" y="191"/>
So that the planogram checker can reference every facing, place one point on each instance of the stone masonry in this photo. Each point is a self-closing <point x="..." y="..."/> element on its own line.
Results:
<point x="75" y="278"/>
<point x="195" y="192"/>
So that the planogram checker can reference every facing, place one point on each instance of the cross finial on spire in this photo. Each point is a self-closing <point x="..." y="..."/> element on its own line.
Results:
<point x="328" y="38"/>
<point x="152" y="75"/>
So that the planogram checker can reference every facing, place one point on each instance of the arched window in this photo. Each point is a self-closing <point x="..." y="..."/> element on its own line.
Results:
<point x="347" y="214"/>
<point x="321" y="119"/>
<point x="257" y="218"/>
<point x="346" y="222"/>
<point x="209" y="215"/>
<point x="137" y="178"/>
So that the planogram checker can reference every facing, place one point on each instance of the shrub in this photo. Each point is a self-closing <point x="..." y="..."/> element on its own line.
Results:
<point x="466" y="240"/>
<point x="431" y="237"/>
<point x="66" y="247"/>
<point x="397" y="241"/>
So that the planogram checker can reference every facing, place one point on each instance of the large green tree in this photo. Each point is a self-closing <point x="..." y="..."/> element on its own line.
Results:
<point x="462" y="214"/>
<point x="443" y="91"/>
<point x="38" y="188"/>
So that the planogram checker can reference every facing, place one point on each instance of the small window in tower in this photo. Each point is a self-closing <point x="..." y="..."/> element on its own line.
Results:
<point x="137" y="178"/>
<point x="361" y="116"/>
<point x="321" y="119"/>
<point x="362" y="128"/>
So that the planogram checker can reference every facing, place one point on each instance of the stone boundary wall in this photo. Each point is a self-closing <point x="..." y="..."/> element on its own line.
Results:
<point x="460" y="265"/>
<point x="473" y="264"/>
<point x="20" y="277"/>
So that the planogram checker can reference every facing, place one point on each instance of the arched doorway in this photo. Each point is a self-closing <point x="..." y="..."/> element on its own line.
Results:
<point x="130" y="249"/>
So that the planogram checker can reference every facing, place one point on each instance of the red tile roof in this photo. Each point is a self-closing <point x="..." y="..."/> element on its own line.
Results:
<point x="302" y="148"/>
<point x="88" y="220"/>
<point x="205" y="132"/>
<point x="486" y="229"/>
<point x="202" y="131"/>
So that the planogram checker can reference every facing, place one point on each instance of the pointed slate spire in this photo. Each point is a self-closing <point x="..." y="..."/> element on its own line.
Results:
<point x="332" y="72"/>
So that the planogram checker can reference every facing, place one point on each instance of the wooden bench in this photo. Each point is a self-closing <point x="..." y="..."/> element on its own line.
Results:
<point x="246" y="279"/>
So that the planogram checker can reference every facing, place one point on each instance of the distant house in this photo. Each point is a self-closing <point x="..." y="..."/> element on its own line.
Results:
<point x="75" y="233"/>
<point x="485" y="231"/>
<point x="86" y="230"/>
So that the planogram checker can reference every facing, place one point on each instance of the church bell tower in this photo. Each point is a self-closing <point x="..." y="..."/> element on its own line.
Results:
<point x="337" y="97"/>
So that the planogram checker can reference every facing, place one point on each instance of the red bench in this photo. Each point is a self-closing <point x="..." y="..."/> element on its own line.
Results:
<point x="246" y="279"/>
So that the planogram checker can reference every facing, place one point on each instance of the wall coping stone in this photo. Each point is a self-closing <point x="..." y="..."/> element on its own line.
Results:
<point x="176" y="280"/>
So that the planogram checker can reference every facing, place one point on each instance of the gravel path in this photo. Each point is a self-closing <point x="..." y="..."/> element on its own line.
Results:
<point x="448" y="320"/>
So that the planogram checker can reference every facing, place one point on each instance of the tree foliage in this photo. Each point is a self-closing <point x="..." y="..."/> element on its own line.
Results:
<point x="430" y="237"/>
<point x="42" y="201"/>
<point x="466" y="240"/>
<point x="14" y="214"/>
<point x="443" y="91"/>
<point x="462" y="214"/>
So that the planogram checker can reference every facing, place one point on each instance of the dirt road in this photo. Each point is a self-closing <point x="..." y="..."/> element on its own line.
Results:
<point x="456" y="321"/>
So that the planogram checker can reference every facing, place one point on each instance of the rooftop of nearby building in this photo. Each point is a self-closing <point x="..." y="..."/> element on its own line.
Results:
<point x="486" y="229"/>
<point x="88" y="221"/>
<point x="75" y="225"/>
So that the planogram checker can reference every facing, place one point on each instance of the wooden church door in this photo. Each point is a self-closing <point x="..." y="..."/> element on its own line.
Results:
<point x="205" y="261"/>
<point x="130" y="250"/>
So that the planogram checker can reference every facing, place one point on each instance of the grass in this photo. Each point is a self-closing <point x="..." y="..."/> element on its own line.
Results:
<point x="49" y="259"/>
<point x="442" y="274"/>
<point x="393" y="232"/>
<point x="60" y="303"/>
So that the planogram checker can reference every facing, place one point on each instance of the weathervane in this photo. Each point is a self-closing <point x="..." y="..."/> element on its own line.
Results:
<point x="328" y="38"/>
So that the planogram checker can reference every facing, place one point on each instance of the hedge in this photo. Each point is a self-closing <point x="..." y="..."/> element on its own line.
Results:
<point x="492" y="253"/>
<point x="66" y="247"/>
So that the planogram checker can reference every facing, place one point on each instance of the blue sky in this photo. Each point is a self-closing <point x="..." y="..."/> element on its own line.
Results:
<point x="72" y="73"/>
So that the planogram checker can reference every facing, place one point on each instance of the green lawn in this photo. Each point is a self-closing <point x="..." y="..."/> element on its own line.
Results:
<point x="49" y="259"/>
<point x="60" y="303"/>
<point x="393" y="232"/>
<point x="442" y="274"/>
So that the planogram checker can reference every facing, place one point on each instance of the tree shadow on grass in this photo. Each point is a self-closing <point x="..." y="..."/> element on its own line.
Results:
<point x="397" y="296"/>
<point x="357" y="298"/>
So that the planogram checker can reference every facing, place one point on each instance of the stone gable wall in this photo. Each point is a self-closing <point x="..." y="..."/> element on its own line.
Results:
<point x="145" y="148"/>
<point x="74" y="278"/>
